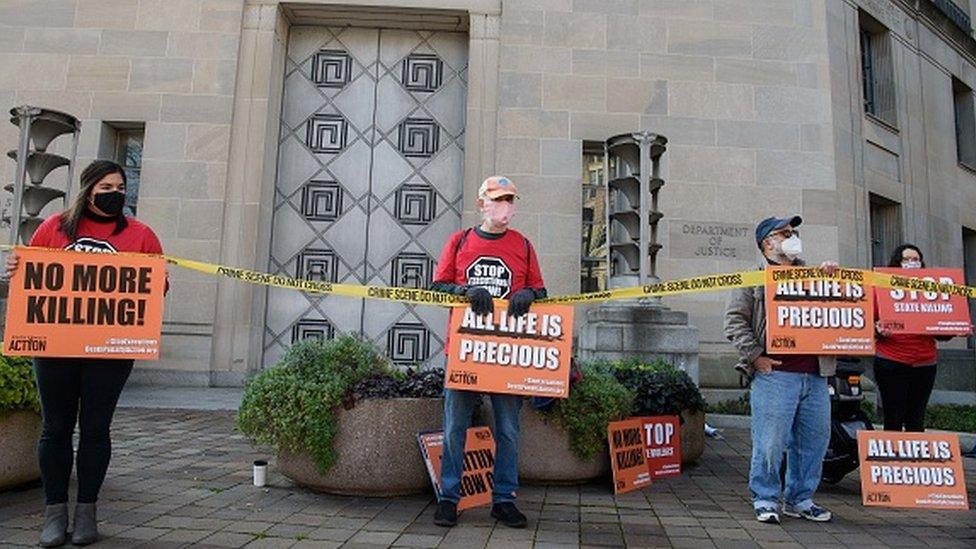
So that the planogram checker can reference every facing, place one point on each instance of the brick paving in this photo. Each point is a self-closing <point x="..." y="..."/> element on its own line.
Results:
<point x="182" y="479"/>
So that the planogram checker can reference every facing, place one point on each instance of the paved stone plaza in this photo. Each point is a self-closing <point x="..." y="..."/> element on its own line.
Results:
<point x="182" y="478"/>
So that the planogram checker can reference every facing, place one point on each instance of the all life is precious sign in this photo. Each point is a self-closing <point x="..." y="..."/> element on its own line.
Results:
<point x="710" y="240"/>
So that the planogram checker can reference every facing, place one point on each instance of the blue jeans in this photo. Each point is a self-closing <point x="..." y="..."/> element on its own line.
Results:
<point x="458" y="409"/>
<point x="793" y="410"/>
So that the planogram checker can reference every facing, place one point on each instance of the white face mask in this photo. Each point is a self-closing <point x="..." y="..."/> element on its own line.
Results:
<point x="791" y="247"/>
<point x="911" y="264"/>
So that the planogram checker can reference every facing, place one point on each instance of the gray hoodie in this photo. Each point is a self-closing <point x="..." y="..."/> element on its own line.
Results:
<point x="745" y="326"/>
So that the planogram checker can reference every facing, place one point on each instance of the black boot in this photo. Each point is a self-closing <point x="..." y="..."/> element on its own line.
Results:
<point x="509" y="515"/>
<point x="86" y="525"/>
<point x="55" y="531"/>
<point x="446" y="514"/>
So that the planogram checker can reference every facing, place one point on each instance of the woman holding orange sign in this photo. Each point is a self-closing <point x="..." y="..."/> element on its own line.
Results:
<point x="904" y="365"/>
<point x="83" y="391"/>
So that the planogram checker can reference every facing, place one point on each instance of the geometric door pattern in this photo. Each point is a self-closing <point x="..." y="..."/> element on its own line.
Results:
<point x="370" y="161"/>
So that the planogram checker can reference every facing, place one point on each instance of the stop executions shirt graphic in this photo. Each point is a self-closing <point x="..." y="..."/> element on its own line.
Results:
<point x="502" y="265"/>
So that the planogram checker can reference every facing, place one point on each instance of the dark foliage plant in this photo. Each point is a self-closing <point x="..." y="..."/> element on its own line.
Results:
<point x="659" y="388"/>
<point x="410" y="383"/>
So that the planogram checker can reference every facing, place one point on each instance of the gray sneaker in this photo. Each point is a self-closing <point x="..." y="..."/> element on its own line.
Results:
<point x="767" y="515"/>
<point x="815" y="513"/>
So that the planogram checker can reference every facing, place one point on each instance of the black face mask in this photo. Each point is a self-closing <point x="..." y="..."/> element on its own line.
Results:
<point x="110" y="203"/>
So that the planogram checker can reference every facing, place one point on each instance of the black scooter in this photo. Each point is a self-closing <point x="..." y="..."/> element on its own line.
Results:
<point x="846" y="419"/>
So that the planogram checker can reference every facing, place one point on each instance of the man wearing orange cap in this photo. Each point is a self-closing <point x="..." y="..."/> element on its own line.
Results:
<point x="483" y="263"/>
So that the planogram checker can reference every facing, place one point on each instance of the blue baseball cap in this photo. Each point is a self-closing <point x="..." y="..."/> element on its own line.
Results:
<point x="770" y="224"/>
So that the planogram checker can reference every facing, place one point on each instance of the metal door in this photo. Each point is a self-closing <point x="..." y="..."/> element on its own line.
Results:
<point x="368" y="188"/>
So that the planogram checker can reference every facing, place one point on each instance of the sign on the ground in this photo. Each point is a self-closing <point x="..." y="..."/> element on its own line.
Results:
<point x="627" y="451"/>
<point x="925" y="313"/>
<point x="86" y="305"/>
<point x="479" y="464"/>
<point x="819" y="317"/>
<point x="918" y="470"/>
<point x="529" y="355"/>
<point x="662" y="445"/>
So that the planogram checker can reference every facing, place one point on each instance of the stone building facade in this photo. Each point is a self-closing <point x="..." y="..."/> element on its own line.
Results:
<point x="245" y="109"/>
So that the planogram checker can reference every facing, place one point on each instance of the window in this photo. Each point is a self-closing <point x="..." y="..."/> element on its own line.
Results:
<point x="877" y="70"/>
<point x="885" y="229"/>
<point x="122" y="142"/>
<point x="969" y="268"/>
<point x="962" y="100"/>
<point x="956" y="11"/>
<point x="593" y="254"/>
<point x="128" y="153"/>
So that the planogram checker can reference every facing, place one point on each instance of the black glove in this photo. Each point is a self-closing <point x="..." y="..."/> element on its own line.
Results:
<point x="481" y="301"/>
<point x="519" y="303"/>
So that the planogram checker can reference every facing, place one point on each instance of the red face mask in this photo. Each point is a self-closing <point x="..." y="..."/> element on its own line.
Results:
<point x="498" y="212"/>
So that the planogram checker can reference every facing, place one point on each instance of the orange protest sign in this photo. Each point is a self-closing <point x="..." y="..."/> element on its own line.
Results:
<point x="919" y="470"/>
<point x="925" y="313"/>
<point x="86" y="305"/>
<point x="662" y="445"/>
<point x="479" y="464"/>
<point x="626" y="439"/>
<point x="529" y="355"/>
<point x="820" y="317"/>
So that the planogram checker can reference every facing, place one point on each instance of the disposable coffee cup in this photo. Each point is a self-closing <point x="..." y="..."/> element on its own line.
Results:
<point x="260" y="472"/>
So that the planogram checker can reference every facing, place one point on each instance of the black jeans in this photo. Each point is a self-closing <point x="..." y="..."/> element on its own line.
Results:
<point x="905" y="391"/>
<point x="68" y="386"/>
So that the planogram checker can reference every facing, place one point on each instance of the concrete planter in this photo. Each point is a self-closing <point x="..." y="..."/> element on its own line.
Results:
<point x="19" y="432"/>
<point x="376" y="448"/>
<point x="692" y="436"/>
<point x="545" y="456"/>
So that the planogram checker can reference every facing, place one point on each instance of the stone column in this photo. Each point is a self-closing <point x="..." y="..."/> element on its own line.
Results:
<point x="618" y="331"/>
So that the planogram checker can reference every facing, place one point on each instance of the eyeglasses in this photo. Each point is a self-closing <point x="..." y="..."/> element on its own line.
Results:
<point x="785" y="233"/>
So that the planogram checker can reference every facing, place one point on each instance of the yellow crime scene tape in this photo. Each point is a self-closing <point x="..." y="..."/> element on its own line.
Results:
<point x="697" y="284"/>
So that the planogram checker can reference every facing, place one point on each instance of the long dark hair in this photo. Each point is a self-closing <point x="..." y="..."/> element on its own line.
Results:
<point x="94" y="173"/>
<point x="895" y="260"/>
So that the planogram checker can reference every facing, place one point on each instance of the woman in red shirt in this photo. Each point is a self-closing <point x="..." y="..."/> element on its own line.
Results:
<point x="904" y="365"/>
<point x="83" y="390"/>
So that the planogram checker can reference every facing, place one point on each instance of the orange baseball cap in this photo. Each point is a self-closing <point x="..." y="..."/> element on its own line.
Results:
<point x="497" y="186"/>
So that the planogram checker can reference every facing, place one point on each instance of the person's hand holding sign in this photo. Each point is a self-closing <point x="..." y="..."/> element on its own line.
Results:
<point x="12" y="262"/>
<point x="481" y="301"/>
<point x="830" y="267"/>
<point x="519" y="304"/>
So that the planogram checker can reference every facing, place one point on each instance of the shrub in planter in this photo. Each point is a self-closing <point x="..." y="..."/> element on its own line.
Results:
<point x="20" y="422"/>
<point x="17" y="388"/>
<point x="336" y="412"/>
<point x="593" y="403"/>
<point x="290" y="406"/>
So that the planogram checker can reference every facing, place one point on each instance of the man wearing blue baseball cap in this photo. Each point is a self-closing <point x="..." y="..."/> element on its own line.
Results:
<point x="790" y="403"/>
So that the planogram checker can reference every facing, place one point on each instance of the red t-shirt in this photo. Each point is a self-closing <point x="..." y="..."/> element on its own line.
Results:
<point x="912" y="349"/>
<point x="96" y="236"/>
<point x="502" y="265"/>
